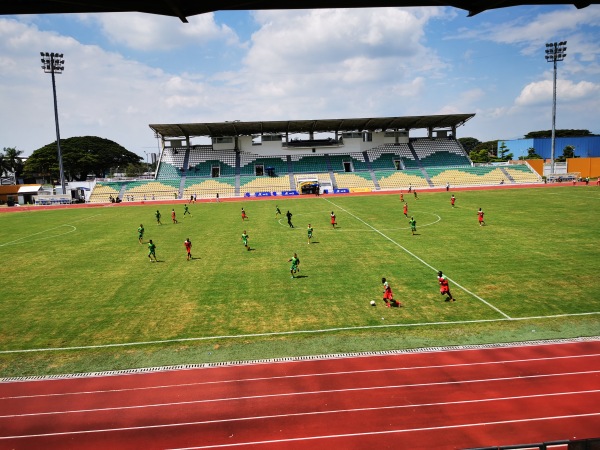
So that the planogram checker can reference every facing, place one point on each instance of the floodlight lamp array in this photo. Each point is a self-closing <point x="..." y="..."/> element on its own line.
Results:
<point x="52" y="62"/>
<point x="556" y="51"/>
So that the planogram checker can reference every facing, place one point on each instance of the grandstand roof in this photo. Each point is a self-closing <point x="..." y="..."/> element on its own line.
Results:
<point x="238" y="128"/>
<point x="187" y="8"/>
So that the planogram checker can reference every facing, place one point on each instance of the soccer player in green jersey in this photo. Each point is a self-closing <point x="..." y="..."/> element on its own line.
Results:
<point x="245" y="240"/>
<point x="277" y="211"/>
<point x="413" y="225"/>
<point x="157" y="214"/>
<point x="295" y="263"/>
<point x="151" y="251"/>
<point x="310" y="232"/>
<point x="141" y="233"/>
<point x="186" y="211"/>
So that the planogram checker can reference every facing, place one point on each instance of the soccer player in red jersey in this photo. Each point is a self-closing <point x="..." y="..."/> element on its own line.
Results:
<point x="405" y="209"/>
<point x="444" y="287"/>
<point x="188" y="246"/>
<point x="333" y="222"/>
<point x="388" y="296"/>
<point x="244" y="216"/>
<point x="480" y="217"/>
<point x="401" y="197"/>
<point x="173" y="217"/>
<point x="452" y="200"/>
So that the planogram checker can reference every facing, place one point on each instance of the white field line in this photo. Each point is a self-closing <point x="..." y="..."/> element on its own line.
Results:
<point x="286" y="333"/>
<point x="341" y="230"/>
<point x="418" y="259"/>
<point x="312" y="413"/>
<point x="306" y="375"/>
<point x="27" y="238"/>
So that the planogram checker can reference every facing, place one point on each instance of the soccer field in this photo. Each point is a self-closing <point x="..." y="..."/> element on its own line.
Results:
<point x="79" y="294"/>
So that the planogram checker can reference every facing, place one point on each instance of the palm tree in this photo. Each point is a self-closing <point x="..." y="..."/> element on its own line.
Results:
<point x="3" y="164"/>
<point x="12" y="160"/>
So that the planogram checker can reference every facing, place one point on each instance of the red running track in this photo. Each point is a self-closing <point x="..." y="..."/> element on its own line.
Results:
<point x="427" y="400"/>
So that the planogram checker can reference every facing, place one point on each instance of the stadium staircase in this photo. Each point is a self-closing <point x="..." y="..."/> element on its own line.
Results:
<point x="237" y="173"/>
<point x="373" y="177"/>
<point x="122" y="191"/>
<point x="510" y="178"/>
<point x="291" y="172"/>
<point x="420" y="164"/>
<point x="330" y="170"/>
<point x="185" y="166"/>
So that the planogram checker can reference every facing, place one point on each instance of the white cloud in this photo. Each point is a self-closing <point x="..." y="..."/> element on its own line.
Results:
<point x="325" y="40"/>
<point x="150" y="32"/>
<point x="297" y="65"/>
<point x="540" y="92"/>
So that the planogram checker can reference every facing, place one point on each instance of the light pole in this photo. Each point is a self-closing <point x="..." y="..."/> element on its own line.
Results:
<point x="555" y="51"/>
<point x="147" y="164"/>
<point x="54" y="63"/>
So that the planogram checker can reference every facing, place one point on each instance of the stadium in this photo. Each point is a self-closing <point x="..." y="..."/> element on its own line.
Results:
<point x="361" y="299"/>
<point x="279" y="158"/>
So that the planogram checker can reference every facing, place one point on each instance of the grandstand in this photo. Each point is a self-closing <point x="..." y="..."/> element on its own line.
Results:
<point x="371" y="154"/>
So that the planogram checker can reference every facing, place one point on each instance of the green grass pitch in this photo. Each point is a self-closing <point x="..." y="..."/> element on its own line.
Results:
<point x="78" y="292"/>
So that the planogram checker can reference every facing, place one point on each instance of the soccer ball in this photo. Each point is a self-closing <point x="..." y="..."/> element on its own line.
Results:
<point x="372" y="302"/>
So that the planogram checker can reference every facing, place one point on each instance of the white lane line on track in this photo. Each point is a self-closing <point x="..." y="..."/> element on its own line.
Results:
<point x="331" y="391"/>
<point x="419" y="259"/>
<point x="306" y="375"/>
<point x="313" y="413"/>
<point x="375" y="433"/>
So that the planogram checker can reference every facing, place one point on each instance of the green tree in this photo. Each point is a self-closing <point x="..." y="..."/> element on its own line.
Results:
<point x="557" y="133"/>
<point x="479" y="156"/>
<point x="503" y="152"/>
<point x="3" y="165"/>
<point x="531" y="154"/>
<point x="568" y="152"/>
<point x="11" y="161"/>
<point x="82" y="156"/>
<point x="468" y="143"/>
<point x="490" y="146"/>
<point x="135" y="170"/>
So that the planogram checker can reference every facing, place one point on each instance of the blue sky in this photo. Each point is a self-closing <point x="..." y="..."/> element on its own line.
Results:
<point x="125" y="71"/>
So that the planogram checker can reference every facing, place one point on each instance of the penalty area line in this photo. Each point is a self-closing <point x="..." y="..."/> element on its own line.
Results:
<point x="418" y="259"/>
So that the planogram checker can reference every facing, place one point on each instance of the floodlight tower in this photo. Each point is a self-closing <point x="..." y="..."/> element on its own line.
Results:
<point x="555" y="51"/>
<point x="54" y="63"/>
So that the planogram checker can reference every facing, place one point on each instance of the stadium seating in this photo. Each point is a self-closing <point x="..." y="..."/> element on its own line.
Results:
<point x="202" y="159"/>
<point x="383" y="157"/>
<point x="400" y="179"/>
<point x="309" y="163"/>
<point x="168" y="171"/>
<point x="394" y="166"/>
<point x="250" y="184"/>
<point x="467" y="176"/>
<point x="151" y="190"/>
<point x="440" y="152"/>
<point x="103" y="190"/>
<point x="522" y="174"/>
<point x="248" y="163"/>
<point x="357" y="161"/>
<point x="209" y="187"/>
<point x="360" y="180"/>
